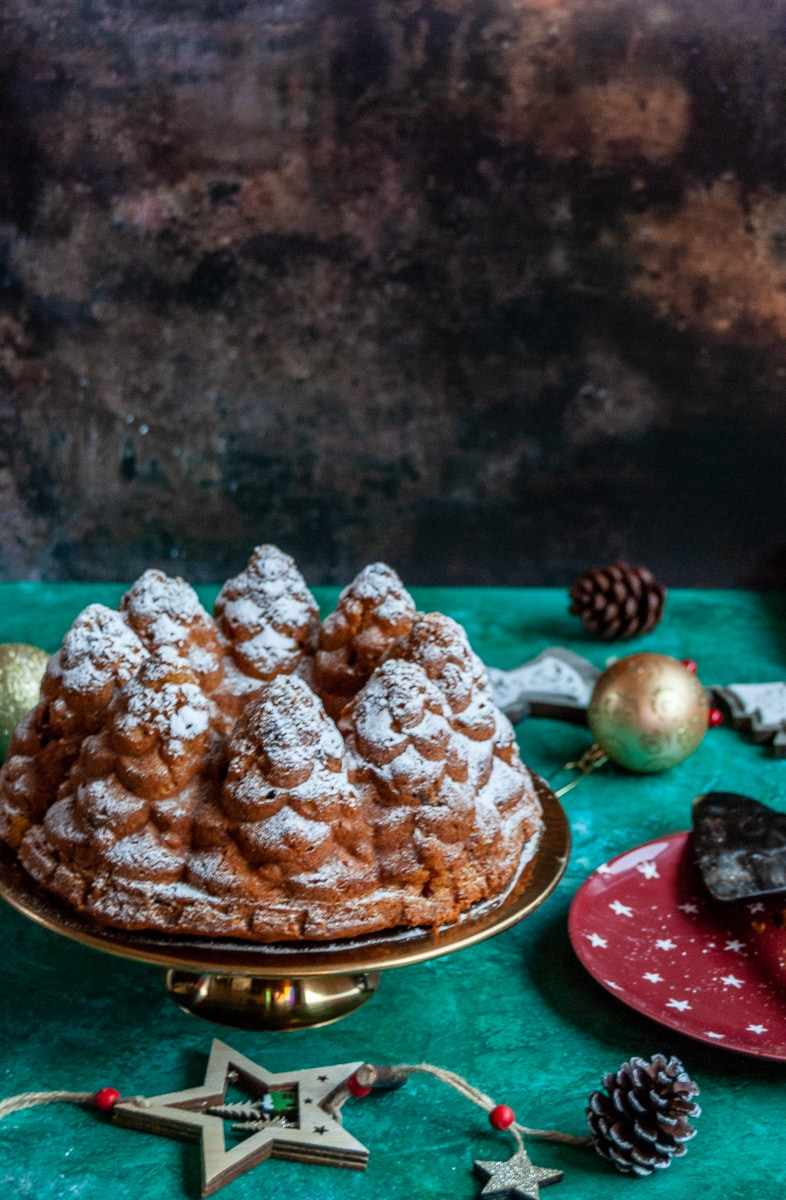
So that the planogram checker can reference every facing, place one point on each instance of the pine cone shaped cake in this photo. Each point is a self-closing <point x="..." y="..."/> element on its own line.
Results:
<point x="114" y="837"/>
<point x="618" y="602"/>
<point x="642" y="1124"/>
<point x="99" y="653"/>
<point x="166" y="612"/>
<point x="372" y="614"/>
<point x="268" y="615"/>
<point x="255" y="775"/>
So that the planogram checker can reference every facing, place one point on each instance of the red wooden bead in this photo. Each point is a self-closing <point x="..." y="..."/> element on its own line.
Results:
<point x="106" y="1099"/>
<point x="690" y="665"/>
<point x="357" y="1089"/>
<point x="501" y="1117"/>
<point x="714" y="717"/>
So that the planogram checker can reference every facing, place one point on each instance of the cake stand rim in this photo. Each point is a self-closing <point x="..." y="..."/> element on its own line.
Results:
<point x="379" y="951"/>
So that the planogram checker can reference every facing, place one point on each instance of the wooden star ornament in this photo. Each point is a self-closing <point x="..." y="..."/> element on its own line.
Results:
<point x="515" y="1179"/>
<point x="311" y="1133"/>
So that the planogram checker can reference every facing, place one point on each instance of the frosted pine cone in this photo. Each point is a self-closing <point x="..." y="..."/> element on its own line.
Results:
<point x="618" y="601"/>
<point x="641" y="1125"/>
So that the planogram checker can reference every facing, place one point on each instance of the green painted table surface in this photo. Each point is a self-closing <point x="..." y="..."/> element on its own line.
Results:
<point x="517" y="1015"/>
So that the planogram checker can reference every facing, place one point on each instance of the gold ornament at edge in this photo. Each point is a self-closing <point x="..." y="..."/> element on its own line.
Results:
<point x="648" y="712"/>
<point x="21" y="671"/>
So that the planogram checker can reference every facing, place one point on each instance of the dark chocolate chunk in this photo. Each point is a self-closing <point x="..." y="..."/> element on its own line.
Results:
<point x="740" y="845"/>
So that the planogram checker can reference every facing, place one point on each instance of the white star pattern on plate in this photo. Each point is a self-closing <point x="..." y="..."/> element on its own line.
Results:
<point x="596" y="940"/>
<point x="680" y="959"/>
<point x="604" y="869"/>
<point x="648" y="869"/>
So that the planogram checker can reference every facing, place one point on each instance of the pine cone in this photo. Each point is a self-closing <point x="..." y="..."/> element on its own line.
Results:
<point x="618" y="601"/>
<point x="642" y="1124"/>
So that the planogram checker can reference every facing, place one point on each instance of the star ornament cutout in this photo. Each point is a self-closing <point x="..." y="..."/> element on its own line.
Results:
<point x="515" y="1179"/>
<point x="314" y="1136"/>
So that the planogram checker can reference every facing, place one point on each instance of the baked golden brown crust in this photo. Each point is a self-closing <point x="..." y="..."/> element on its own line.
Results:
<point x="257" y="775"/>
<point x="372" y="615"/>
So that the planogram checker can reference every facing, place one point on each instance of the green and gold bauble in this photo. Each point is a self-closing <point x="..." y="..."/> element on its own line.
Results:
<point x="21" y="671"/>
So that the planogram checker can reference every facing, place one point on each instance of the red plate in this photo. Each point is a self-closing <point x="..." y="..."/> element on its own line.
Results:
<point x="646" y="929"/>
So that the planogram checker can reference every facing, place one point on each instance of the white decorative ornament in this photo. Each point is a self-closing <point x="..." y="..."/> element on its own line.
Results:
<point x="558" y="683"/>
<point x="758" y="709"/>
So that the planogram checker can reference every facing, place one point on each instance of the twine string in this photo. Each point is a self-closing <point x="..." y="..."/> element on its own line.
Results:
<point x="34" y="1099"/>
<point x="485" y="1102"/>
<point x="400" y="1072"/>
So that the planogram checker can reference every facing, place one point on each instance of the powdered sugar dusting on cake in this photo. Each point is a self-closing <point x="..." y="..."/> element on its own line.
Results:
<point x="288" y="800"/>
<point x="286" y="750"/>
<point x="166" y="611"/>
<point x="155" y="595"/>
<point x="268" y="614"/>
<point x="289" y="725"/>
<point x="379" y="585"/>
<point x="373" y="614"/>
<point x="105" y="804"/>
<point x="98" y="648"/>
<point x="164" y="701"/>
<point x="399" y="707"/>
<point x="286" y="832"/>
<point x="143" y="853"/>
<point x="251" y="776"/>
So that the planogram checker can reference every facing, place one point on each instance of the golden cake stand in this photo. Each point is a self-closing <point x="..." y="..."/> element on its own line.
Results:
<point x="296" y="985"/>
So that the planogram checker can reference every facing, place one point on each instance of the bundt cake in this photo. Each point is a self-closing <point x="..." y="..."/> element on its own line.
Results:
<point x="259" y="775"/>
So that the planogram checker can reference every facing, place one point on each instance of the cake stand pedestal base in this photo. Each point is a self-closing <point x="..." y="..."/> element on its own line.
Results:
<point x="296" y="985"/>
<point x="256" y="1003"/>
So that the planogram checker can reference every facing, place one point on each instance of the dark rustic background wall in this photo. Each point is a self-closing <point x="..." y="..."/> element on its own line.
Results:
<point x="494" y="290"/>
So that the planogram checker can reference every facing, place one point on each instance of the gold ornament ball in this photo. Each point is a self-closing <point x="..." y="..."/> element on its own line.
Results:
<point x="21" y="671"/>
<point x="648" y="712"/>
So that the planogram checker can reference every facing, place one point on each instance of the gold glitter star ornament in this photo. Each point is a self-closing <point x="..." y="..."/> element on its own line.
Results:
<point x="313" y="1134"/>
<point x="515" y="1179"/>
